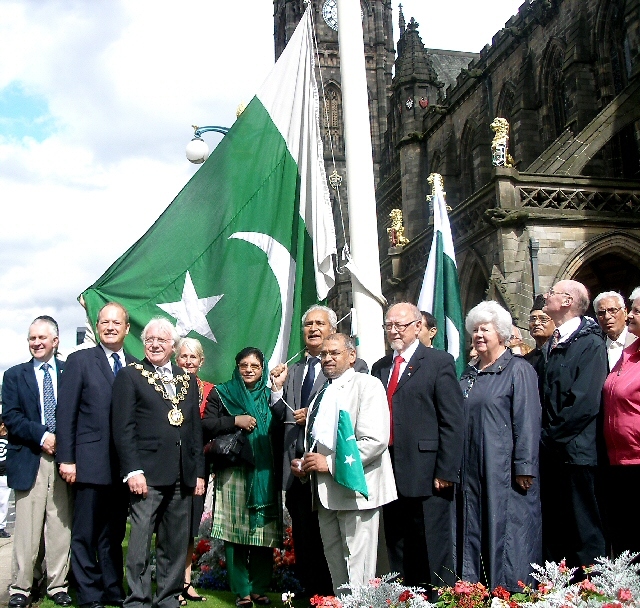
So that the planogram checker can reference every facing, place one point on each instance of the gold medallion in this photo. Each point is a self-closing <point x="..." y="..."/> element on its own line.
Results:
<point x="176" y="417"/>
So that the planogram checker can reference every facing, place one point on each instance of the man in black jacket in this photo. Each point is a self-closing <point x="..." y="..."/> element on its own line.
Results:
<point x="158" y="437"/>
<point x="571" y="391"/>
<point x="427" y="434"/>
<point x="86" y="458"/>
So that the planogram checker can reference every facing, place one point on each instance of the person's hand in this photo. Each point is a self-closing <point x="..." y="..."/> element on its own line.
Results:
<point x="296" y="468"/>
<point x="49" y="444"/>
<point x="300" y="416"/>
<point x="138" y="484"/>
<point x="441" y="484"/>
<point x="315" y="462"/>
<point x="68" y="472"/>
<point x="246" y="422"/>
<point x="199" y="489"/>
<point x="524" y="481"/>
<point x="278" y="376"/>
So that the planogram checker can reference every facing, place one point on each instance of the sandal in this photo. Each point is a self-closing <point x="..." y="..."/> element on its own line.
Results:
<point x="189" y="596"/>
<point x="260" y="600"/>
<point x="181" y="601"/>
<point x="244" y="602"/>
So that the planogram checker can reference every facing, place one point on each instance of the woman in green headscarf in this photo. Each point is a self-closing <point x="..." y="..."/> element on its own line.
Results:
<point x="248" y="509"/>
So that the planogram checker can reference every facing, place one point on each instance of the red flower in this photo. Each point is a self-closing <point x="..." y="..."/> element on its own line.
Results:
<point x="587" y="585"/>
<point x="502" y="593"/>
<point x="203" y="546"/>
<point x="545" y="587"/>
<point x="405" y="595"/>
<point x="624" y="595"/>
<point x="521" y="584"/>
<point x="463" y="588"/>
<point x="612" y="605"/>
<point x="563" y="567"/>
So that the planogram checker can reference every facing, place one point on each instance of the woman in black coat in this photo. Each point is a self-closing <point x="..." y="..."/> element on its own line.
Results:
<point x="499" y="535"/>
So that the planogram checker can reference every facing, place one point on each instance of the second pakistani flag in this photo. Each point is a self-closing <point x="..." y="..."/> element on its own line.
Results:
<point x="348" y="470"/>
<point x="440" y="293"/>
<point x="246" y="246"/>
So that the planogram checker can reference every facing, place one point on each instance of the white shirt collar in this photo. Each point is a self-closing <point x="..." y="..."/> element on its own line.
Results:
<point x="567" y="328"/>
<point x="620" y="340"/>
<point x="52" y="362"/>
<point x="409" y="352"/>
<point x="109" y="352"/>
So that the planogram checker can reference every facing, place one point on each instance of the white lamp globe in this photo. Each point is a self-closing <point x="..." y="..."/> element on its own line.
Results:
<point x="197" y="151"/>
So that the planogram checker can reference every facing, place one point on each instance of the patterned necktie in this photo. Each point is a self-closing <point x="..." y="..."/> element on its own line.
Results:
<point x="167" y="376"/>
<point x="555" y="338"/>
<point x="49" y="398"/>
<point x="117" y="364"/>
<point x="391" y="388"/>
<point x="309" y="379"/>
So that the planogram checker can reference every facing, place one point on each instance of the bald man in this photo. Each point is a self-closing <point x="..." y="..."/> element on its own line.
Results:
<point x="571" y="389"/>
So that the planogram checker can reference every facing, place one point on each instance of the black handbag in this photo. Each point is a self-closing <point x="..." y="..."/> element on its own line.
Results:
<point x="229" y="450"/>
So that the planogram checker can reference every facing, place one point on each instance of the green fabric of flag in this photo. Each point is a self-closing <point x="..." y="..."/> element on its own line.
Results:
<point x="440" y="293"/>
<point x="247" y="245"/>
<point x="348" y="469"/>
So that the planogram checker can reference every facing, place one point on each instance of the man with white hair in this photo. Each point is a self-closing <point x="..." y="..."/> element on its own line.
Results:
<point x="611" y="313"/>
<point x="158" y="437"/>
<point x="571" y="393"/>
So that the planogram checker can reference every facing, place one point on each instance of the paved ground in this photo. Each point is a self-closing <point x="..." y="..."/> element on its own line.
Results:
<point x="6" y="546"/>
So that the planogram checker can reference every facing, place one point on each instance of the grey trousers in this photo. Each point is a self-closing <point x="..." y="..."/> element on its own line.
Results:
<point x="165" y="510"/>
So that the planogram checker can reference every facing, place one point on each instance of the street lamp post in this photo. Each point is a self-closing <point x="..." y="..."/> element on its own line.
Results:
<point x="197" y="149"/>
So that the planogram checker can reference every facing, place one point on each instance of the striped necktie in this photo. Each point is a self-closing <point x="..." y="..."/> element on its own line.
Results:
<point x="49" y="399"/>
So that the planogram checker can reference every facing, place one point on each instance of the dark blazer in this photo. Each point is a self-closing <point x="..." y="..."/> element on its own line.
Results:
<point x="21" y="414"/>
<point x="83" y="417"/>
<point x="294" y="433"/>
<point x="428" y="425"/>
<point x="144" y="438"/>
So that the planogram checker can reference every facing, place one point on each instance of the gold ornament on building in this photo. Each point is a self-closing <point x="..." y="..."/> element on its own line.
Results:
<point x="500" y="156"/>
<point x="240" y="109"/>
<point x="335" y="180"/>
<point x="396" y="232"/>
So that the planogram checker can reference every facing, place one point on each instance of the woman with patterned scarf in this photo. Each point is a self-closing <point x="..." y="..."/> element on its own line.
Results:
<point x="248" y="513"/>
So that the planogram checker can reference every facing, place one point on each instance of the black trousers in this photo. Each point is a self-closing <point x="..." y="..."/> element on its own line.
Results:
<point x="311" y="565"/>
<point x="621" y="511"/>
<point x="419" y="536"/>
<point x="166" y="511"/>
<point x="571" y="518"/>
<point x="99" y="524"/>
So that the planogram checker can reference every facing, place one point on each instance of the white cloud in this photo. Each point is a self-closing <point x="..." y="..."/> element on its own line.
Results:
<point x="123" y="81"/>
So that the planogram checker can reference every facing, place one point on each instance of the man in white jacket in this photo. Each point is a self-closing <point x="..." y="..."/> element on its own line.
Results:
<point x="349" y="519"/>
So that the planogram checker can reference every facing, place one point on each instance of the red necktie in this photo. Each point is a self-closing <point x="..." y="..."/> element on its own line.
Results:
<point x="391" y="388"/>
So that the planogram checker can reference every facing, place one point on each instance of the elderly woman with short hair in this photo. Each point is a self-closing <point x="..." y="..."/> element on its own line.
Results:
<point x="499" y="531"/>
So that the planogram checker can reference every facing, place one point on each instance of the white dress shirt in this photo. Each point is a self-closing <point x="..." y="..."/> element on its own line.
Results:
<point x="406" y="355"/>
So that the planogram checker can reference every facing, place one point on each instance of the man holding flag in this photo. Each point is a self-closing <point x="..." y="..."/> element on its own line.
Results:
<point x="347" y="435"/>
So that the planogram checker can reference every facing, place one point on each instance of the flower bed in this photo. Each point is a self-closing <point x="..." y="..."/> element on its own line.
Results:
<point x="607" y="584"/>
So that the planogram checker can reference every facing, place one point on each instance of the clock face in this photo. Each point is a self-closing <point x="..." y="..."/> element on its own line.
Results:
<point x="330" y="14"/>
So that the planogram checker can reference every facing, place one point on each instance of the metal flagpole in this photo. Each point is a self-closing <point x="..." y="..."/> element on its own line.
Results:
<point x="363" y="229"/>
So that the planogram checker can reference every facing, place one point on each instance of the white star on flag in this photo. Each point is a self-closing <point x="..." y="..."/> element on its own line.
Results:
<point x="349" y="460"/>
<point x="191" y="311"/>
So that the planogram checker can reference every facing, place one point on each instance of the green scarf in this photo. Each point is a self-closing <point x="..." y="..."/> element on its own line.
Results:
<point x="260" y="489"/>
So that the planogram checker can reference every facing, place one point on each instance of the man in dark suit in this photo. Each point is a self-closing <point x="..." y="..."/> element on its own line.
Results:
<point x="87" y="458"/>
<point x="43" y="499"/>
<point x="292" y="391"/>
<point x="158" y="437"/>
<point x="425" y="403"/>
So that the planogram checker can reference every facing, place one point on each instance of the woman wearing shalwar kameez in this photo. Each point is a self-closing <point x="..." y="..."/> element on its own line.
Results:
<point x="248" y="513"/>
<point x="499" y="535"/>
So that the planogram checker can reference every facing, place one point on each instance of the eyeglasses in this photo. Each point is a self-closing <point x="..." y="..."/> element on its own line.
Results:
<point x="160" y="341"/>
<point x="471" y="380"/>
<point x="252" y="366"/>
<point x="334" y="354"/>
<point x="539" y="320"/>
<point x="398" y="326"/>
<point x="558" y="293"/>
<point x="608" y="311"/>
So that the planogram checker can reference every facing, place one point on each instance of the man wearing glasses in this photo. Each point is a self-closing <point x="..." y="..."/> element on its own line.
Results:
<point x="611" y="313"/>
<point x="158" y="437"/>
<point x="571" y="392"/>
<point x="541" y="328"/>
<point x="426" y="416"/>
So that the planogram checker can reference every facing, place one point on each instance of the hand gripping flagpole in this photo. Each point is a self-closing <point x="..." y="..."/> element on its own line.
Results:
<point x="363" y="229"/>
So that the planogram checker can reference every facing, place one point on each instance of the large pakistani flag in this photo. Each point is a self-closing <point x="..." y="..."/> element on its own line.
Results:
<point x="246" y="246"/>
<point x="440" y="293"/>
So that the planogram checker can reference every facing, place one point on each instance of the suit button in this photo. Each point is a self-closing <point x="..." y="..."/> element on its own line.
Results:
<point x="177" y="443"/>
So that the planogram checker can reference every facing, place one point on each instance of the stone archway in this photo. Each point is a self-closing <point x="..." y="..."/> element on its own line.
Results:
<point x="610" y="262"/>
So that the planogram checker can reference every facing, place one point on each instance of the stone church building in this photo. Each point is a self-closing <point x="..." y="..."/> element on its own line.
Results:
<point x="565" y="74"/>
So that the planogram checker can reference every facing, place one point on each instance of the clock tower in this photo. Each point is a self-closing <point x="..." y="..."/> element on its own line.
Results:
<point x="379" y="57"/>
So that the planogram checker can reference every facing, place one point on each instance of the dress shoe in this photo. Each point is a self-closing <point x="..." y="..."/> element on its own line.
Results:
<point x="4" y="534"/>
<point x="62" y="599"/>
<point x="92" y="605"/>
<point x="19" y="600"/>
